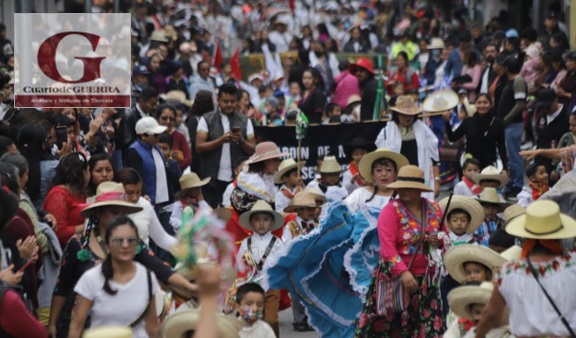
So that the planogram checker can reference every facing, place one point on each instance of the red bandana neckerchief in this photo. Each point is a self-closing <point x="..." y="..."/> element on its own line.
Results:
<point x="466" y="324"/>
<point x="289" y="194"/>
<point x="472" y="186"/>
<point x="538" y="189"/>
<point x="354" y="170"/>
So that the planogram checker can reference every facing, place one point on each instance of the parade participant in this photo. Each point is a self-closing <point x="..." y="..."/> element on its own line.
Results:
<point x="84" y="252"/>
<point x="68" y="195"/>
<point x="329" y="182"/>
<point x="190" y="194"/>
<point x="537" y="185"/>
<point x="238" y="167"/>
<point x="501" y="241"/>
<point x="544" y="272"/>
<point x="250" y="299"/>
<point x="380" y="168"/>
<point x="166" y="116"/>
<point x="407" y="260"/>
<point x="468" y="302"/>
<point x="489" y="177"/>
<point x="313" y="99"/>
<point x="493" y="206"/>
<point x="410" y="137"/>
<point x="304" y="205"/>
<point x="484" y="134"/>
<point x="119" y="291"/>
<point x="146" y="220"/>
<point x="223" y="136"/>
<point x="355" y="150"/>
<point x="467" y="187"/>
<point x="261" y="220"/>
<point x="288" y="175"/>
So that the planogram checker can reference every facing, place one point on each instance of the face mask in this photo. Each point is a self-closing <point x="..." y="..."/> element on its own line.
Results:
<point x="249" y="315"/>
<point x="435" y="52"/>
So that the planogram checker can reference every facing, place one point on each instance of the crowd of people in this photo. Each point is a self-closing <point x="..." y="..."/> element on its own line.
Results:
<point x="93" y="200"/>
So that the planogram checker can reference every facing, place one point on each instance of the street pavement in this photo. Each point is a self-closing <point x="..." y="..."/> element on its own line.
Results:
<point x="286" y="330"/>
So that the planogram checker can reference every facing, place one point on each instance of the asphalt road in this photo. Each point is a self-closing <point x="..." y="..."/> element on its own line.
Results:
<point x="286" y="330"/>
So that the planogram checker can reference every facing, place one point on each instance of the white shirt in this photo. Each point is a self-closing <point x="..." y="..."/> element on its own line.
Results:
<point x="226" y="197"/>
<point x="333" y="194"/>
<point x="260" y="329"/>
<point x="280" y="40"/>
<point x="550" y="118"/>
<point x="347" y="182"/>
<point x="281" y="201"/>
<point x="161" y="179"/>
<point x="176" y="216"/>
<point x="462" y="189"/>
<point x="225" y="172"/>
<point x="259" y="246"/>
<point x="359" y="197"/>
<point x="125" y="306"/>
<point x="287" y="234"/>
<point x="149" y="226"/>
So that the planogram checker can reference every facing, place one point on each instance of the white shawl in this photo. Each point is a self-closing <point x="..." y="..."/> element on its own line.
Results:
<point x="427" y="143"/>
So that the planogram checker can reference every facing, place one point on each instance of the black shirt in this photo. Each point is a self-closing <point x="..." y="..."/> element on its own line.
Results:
<point x="313" y="106"/>
<point x="514" y="91"/>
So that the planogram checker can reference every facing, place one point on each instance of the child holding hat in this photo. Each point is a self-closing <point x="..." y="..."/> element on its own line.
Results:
<point x="189" y="195"/>
<point x="261" y="220"/>
<point x="468" y="302"/>
<point x="493" y="206"/>
<point x="288" y="175"/>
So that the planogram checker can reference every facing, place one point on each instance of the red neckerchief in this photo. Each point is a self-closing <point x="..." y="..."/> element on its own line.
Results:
<point x="466" y="324"/>
<point x="538" y="189"/>
<point x="354" y="170"/>
<point x="472" y="186"/>
<point x="289" y="194"/>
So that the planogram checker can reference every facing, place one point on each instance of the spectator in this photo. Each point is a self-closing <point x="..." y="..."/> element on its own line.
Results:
<point x="146" y="106"/>
<point x="454" y="65"/>
<point x="166" y="117"/>
<point x="313" y="98"/>
<point x="402" y="74"/>
<point x="202" y="80"/>
<point x="346" y="85"/>
<point x="364" y="72"/>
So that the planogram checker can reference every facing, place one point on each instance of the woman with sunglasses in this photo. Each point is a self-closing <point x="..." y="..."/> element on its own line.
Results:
<point x="166" y="117"/>
<point x="120" y="291"/>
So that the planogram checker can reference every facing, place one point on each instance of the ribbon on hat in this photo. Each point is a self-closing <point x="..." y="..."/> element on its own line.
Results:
<point x="410" y="179"/>
<point x="110" y="196"/>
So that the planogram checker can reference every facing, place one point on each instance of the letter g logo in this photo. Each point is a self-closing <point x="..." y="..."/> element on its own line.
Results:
<point x="47" y="58"/>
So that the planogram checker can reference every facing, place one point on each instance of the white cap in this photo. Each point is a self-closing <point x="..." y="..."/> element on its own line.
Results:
<point x="148" y="125"/>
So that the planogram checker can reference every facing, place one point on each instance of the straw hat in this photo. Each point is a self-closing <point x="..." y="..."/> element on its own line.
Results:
<point x="110" y="194"/>
<point x="512" y="253"/>
<point x="543" y="220"/>
<point x="318" y="195"/>
<point x="470" y="108"/>
<point x="158" y="36"/>
<point x="436" y="43"/>
<point x="439" y="102"/>
<point x="490" y="173"/>
<point x="462" y="297"/>
<point x="405" y="105"/>
<point x="456" y="257"/>
<point x="223" y="213"/>
<point x="490" y="195"/>
<point x="467" y="204"/>
<point x="365" y="165"/>
<point x="513" y="211"/>
<point x="265" y="151"/>
<point x="302" y="199"/>
<point x="190" y="181"/>
<point x="330" y="166"/>
<point x="261" y="206"/>
<point x="108" y="332"/>
<point x="410" y="177"/>
<point x="179" y="96"/>
<point x="177" y="324"/>
<point x="286" y="166"/>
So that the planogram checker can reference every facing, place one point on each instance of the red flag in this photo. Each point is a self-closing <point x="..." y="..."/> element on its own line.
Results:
<point x="235" y="65"/>
<point x="217" y="59"/>
<point x="292" y="5"/>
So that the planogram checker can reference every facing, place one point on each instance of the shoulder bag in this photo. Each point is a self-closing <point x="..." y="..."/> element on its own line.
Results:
<point x="150" y="295"/>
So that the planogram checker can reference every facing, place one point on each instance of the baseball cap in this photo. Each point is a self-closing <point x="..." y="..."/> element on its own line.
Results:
<point x="148" y="125"/>
<point x="545" y="97"/>
<point x="141" y="70"/>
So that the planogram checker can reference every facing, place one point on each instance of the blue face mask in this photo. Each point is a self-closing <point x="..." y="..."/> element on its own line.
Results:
<point x="249" y="315"/>
<point x="436" y="52"/>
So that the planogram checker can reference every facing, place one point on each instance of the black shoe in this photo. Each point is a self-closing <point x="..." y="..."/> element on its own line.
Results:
<point x="302" y="327"/>
<point x="512" y="193"/>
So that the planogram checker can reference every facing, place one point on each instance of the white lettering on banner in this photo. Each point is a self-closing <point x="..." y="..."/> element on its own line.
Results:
<point x="323" y="151"/>
<point x="293" y="151"/>
<point x="308" y="173"/>
<point x="341" y="152"/>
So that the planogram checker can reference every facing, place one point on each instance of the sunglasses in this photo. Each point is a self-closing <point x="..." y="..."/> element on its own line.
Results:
<point x="165" y="118"/>
<point x="119" y="241"/>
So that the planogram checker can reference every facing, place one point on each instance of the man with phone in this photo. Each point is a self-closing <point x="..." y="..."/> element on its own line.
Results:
<point x="223" y="136"/>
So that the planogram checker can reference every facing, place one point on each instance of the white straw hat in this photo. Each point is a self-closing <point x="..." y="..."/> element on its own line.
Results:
<point x="456" y="257"/>
<point x="543" y="220"/>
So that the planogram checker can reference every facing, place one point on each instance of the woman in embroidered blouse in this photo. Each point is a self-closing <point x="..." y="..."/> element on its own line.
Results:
<point x="68" y="196"/>
<point x="84" y="252"/>
<point x="401" y="225"/>
<point x="313" y="99"/>
<point x="516" y="286"/>
<point x="167" y="117"/>
<point x="411" y="137"/>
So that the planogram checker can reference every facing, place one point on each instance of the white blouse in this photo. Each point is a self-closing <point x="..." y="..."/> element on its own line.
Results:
<point x="359" y="197"/>
<point x="531" y="313"/>
<point x="149" y="226"/>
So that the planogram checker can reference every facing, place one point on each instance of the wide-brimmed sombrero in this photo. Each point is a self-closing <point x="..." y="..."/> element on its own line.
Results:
<point x="490" y="173"/>
<point x="110" y="194"/>
<point x="468" y="204"/>
<point x="439" y="102"/>
<point x="461" y="298"/>
<point x="405" y="105"/>
<point x="543" y="220"/>
<point x="303" y="199"/>
<point x="512" y="253"/>
<point x="365" y="165"/>
<point x="190" y="181"/>
<point x="512" y="212"/>
<point x="266" y="151"/>
<point x="490" y="196"/>
<point x="286" y="166"/>
<point x="319" y="196"/>
<point x="410" y="177"/>
<point x="330" y="166"/>
<point x="456" y="257"/>
<point x="177" y="324"/>
<point x="263" y="207"/>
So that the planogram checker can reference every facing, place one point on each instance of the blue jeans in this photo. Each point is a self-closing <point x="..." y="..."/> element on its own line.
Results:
<point x="515" y="164"/>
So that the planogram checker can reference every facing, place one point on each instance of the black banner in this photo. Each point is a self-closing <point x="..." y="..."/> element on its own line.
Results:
<point x="321" y="140"/>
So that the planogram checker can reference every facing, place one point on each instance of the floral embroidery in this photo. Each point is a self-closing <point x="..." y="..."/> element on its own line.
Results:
<point x="544" y="269"/>
<point x="411" y="226"/>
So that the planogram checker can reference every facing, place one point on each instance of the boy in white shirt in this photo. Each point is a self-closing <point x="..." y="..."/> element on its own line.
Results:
<point x="261" y="220"/>
<point x="250" y="298"/>
<point x="467" y="187"/>
<point x="189" y="195"/>
<point x="329" y="183"/>
<point x="289" y="176"/>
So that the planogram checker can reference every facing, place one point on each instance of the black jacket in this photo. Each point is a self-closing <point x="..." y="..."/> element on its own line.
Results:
<point x="369" y="89"/>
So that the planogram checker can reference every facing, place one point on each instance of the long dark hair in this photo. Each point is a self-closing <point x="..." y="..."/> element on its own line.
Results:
<point x="203" y="103"/>
<point x="107" y="270"/>
<point x="92" y="164"/>
<point x="30" y="143"/>
<point x="70" y="171"/>
<point x="127" y="176"/>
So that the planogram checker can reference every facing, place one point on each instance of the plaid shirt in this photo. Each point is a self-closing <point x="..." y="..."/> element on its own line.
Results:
<point x="486" y="229"/>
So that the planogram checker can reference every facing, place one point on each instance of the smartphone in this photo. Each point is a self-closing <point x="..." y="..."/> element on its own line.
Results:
<point x="61" y="136"/>
<point x="235" y="130"/>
